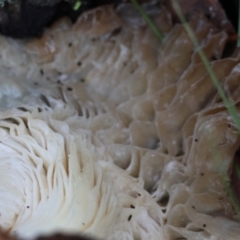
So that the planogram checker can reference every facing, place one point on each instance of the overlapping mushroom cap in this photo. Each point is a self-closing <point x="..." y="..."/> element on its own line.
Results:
<point x="110" y="132"/>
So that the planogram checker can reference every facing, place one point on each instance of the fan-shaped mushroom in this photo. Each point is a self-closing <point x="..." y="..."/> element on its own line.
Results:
<point x="106" y="131"/>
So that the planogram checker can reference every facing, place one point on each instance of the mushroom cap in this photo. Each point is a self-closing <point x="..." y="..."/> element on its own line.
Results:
<point x="54" y="179"/>
<point x="96" y="114"/>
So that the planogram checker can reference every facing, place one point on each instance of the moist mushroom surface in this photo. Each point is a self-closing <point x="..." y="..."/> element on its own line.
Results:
<point x="106" y="131"/>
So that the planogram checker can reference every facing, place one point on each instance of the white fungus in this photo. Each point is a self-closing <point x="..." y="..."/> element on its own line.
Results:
<point x="106" y="136"/>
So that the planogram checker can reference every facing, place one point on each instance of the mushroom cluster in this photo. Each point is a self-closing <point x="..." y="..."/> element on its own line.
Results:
<point x="106" y="131"/>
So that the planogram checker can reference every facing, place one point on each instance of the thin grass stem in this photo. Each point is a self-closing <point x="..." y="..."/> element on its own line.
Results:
<point x="228" y="104"/>
<point x="153" y="26"/>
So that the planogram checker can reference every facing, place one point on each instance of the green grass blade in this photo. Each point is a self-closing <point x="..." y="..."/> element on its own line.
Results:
<point x="77" y="5"/>
<point x="148" y="20"/>
<point x="228" y="104"/>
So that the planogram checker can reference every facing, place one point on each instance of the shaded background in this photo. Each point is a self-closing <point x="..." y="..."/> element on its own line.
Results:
<point x="28" y="18"/>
